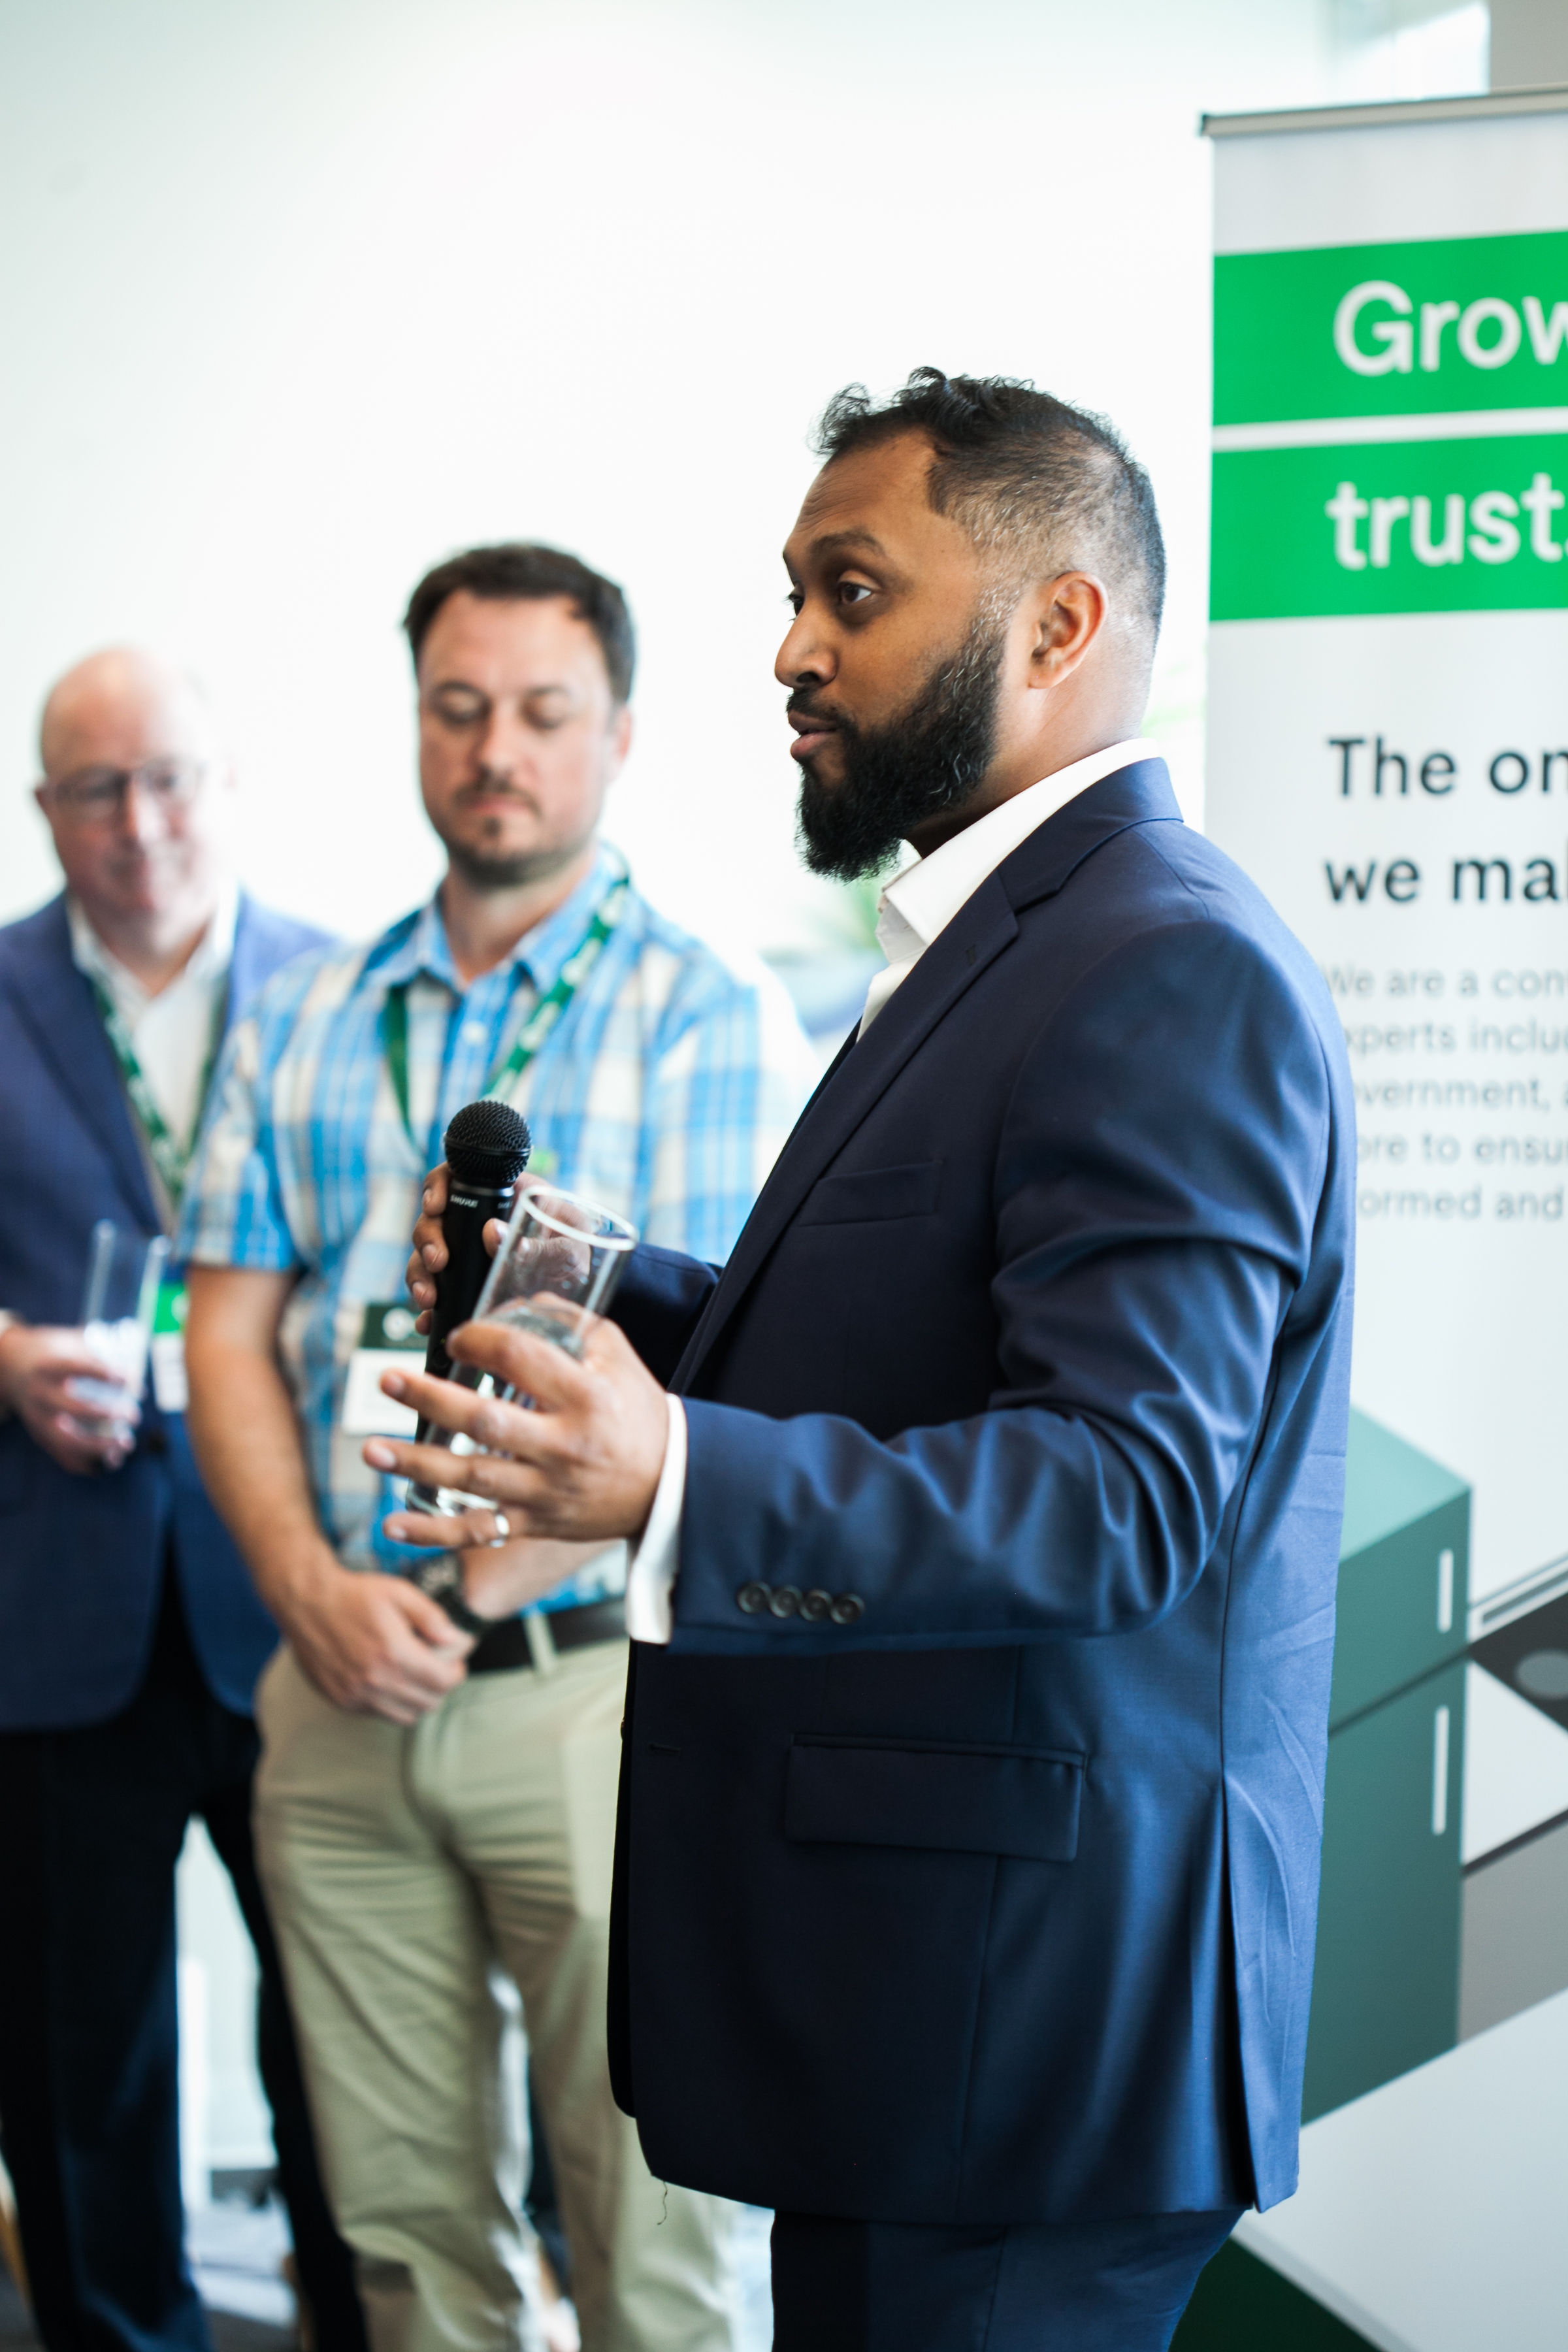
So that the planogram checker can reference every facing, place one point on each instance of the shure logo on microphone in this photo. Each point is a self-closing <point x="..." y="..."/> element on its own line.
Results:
<point x="462" y="1200"/>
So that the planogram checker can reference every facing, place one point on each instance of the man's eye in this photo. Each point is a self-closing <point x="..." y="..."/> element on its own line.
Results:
<point x="851" y="591"/>
<point x="795" y="600"/>
<point x="459" y="709"/>
<point x="545" y="712"/>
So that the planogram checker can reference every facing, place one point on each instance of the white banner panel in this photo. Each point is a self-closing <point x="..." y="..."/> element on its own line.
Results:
<point x="1388" y="758"/>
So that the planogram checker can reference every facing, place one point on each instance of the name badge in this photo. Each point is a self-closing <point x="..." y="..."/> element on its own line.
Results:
<point x="170" y="1387"/>
<point x="387" y="1339"/>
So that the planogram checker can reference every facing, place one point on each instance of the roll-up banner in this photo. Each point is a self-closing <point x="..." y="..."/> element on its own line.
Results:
<point x="1388" y="758"/>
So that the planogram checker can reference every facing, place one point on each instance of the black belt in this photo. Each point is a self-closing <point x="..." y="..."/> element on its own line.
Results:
<point x="508" y="1647"/>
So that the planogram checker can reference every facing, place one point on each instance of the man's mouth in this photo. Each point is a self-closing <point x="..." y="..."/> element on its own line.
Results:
<point x="485" y="799"/>
<point x="812" y="731"/>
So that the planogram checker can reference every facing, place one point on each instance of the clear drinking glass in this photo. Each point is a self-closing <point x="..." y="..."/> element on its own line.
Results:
<point x="558" y="1265"/>
<point x="118" y="1305"/>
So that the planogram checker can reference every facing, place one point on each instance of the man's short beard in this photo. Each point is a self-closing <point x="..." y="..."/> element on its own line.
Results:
<point x="489" y="874"/>
<point x="493" y="871"/>
<point x="923" y="763"/>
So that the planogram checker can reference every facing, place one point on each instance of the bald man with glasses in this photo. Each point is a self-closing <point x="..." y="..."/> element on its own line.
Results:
<point x="131" y="1636"/>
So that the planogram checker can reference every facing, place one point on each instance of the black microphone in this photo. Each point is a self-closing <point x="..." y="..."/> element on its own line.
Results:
<point x="487" y="1146"/>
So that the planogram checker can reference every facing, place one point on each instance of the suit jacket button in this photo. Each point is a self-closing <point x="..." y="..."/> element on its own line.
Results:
<point x="786" y="1600"/>
<point x="753" y="1599"/>
<point x="847" y="1608"/>
<point x="816" y="1605"/>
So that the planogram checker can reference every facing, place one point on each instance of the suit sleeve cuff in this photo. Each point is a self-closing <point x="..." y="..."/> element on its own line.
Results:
<point x="655" y="1563"/>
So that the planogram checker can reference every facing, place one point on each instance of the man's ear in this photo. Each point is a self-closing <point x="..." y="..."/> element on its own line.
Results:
<point x="620" y="737"/>
<point x="1070" y="612"/>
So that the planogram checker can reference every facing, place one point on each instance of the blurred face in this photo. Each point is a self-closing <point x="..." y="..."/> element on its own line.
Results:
<point x="893" y="662"/>
<point x="133" y="793"/>
<point x="519" y="737"/>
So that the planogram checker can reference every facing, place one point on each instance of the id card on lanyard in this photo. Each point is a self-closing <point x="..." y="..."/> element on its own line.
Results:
<point x="171" y="1165"/>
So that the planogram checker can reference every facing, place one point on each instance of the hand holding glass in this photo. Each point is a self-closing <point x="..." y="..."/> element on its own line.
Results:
<point x="118" y="1310"/>
<point x="557" y="1267"/>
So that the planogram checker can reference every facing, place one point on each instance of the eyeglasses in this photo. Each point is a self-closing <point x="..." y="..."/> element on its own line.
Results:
<point x="97" y="796"/>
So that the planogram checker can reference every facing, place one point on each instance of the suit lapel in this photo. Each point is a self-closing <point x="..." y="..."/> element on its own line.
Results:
<point x="977" y="935"/>
<point x="983" y="929"/>
<point x="55" y="1002"/>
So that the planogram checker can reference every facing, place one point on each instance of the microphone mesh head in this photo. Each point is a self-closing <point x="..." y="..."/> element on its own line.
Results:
<point x="488" y="1143"/>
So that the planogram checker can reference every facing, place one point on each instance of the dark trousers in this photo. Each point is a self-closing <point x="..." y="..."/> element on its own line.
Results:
<point x="91" y="1822"/>
<point x="1090" y="2286"/>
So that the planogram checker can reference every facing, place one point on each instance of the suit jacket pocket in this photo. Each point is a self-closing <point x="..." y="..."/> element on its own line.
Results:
<point x="909" y="1192"/>
<point x="958" y="1800"/>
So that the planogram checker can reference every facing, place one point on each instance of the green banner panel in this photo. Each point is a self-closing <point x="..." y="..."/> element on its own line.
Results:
<point x="1403" y="1570"/>
<point x="1386" y="1988"/>
<point x="1391" y="527"/>
<point x="1448" y="324"/>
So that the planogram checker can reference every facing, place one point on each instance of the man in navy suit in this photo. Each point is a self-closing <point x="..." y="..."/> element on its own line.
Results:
<point x="983" y="1611"/>
<point x="130" y="1637"/>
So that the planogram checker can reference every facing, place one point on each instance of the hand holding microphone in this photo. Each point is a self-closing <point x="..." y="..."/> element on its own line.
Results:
<point x="486" y="1145"/>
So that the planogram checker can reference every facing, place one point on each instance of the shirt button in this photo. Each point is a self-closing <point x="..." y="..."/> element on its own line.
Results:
<point x="785" y="1600"/>
<point x="849" y="1609"/>
<point x="816" y="1606"/>
<point x="753" y="1599"/>
<point x="475" y="1034"/>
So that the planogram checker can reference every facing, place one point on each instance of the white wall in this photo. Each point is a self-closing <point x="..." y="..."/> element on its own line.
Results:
<point x="297" y="298"/>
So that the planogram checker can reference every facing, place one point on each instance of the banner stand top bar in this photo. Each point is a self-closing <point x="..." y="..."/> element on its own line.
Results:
<point x="1546" y="100"/>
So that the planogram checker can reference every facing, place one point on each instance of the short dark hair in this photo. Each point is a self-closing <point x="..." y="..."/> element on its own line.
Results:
<point x="516" y="572"/>
<point x="1040" y="482"/>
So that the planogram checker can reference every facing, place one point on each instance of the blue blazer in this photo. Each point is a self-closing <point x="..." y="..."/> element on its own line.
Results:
<point x="81" y="1558"/>
<point x="970" y="1822"/>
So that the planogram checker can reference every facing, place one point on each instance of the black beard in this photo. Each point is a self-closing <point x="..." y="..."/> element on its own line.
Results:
<point x="928" y="761"/>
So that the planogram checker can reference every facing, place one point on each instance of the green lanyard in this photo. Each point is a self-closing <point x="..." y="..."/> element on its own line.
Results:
<point x="535" y="1030"/>
<point x="172" y="1160"/>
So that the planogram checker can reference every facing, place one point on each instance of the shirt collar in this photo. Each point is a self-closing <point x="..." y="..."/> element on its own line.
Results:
<point x="418" y="945"/>
<point x="208" y="962"/>
<point x="923" y="899"/>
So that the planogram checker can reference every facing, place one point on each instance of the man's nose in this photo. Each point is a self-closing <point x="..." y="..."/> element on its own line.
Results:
<point x="143" y="817"/>
<point x="804" y="657"/>
<point x="500" y="746"/>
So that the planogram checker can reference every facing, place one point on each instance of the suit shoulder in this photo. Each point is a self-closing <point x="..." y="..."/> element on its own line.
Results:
<point x="1190" y="880"/>
<point x="31" y="935"/>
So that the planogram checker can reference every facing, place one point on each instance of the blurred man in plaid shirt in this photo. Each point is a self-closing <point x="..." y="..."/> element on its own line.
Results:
<point x="435" y="1816"/>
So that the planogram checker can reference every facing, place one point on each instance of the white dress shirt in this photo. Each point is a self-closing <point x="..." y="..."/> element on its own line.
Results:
<point x="917" y="904"/>
<point x="173" y="1032"/>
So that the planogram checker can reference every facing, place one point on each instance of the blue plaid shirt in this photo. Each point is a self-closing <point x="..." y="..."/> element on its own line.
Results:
<point x="665" y="1090"/>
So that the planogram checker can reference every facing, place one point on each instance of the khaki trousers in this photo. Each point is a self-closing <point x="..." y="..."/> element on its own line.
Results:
<point x="410" y="1874"/>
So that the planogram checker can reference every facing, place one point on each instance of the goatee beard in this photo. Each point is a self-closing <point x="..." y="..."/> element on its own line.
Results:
<point x="487" y="875"/>
<point x="928" y="761"/>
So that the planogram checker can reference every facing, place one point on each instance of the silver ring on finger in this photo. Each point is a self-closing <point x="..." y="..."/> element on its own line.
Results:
<point x="504" y="1531"/>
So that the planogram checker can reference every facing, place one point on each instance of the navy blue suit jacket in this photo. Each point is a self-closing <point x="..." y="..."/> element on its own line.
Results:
<point x="997" y="1902"/>
<point x="81" y="1558"/>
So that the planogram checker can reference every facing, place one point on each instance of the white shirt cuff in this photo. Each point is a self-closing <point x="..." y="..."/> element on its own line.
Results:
<point x="655" y="1563"/>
